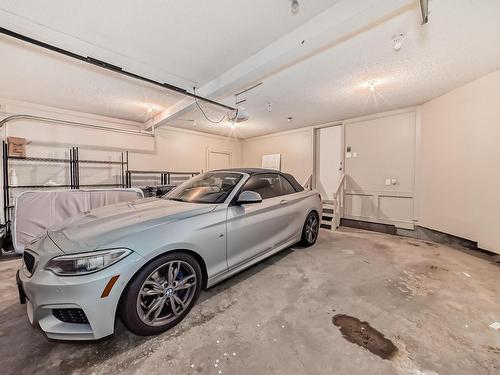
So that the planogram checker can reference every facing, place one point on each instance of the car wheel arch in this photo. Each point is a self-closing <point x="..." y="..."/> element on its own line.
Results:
<point x="194" y="254"/>
<point x="311" y="211"/>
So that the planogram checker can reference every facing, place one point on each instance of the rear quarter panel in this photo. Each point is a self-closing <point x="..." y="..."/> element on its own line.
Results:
<point x="302" y="203"/>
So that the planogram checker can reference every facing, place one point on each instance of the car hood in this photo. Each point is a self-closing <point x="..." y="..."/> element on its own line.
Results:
<point x="105" y="225"/>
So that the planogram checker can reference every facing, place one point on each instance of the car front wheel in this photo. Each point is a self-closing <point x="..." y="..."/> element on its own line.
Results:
<point x="161" y="294"/>
<point x="310" y="230"/>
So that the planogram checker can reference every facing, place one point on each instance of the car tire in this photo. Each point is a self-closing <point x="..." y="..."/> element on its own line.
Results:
<point x="158" y="283"/>
<point x="310" y="230"/>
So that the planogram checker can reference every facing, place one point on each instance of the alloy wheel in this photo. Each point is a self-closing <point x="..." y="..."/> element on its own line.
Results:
<point x="312" y="227"/>
<point x="166" y="293"/>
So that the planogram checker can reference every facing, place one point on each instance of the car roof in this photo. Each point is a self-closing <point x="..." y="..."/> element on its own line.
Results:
<point x="254" y="171"/>
<point x="250" y="171"/>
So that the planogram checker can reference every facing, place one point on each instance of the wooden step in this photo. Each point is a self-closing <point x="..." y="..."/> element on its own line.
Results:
<point x="327" y="216"/>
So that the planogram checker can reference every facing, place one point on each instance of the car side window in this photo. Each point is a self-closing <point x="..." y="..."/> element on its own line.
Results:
<point x="286" y="187"/>
<point x="267" y="185"/>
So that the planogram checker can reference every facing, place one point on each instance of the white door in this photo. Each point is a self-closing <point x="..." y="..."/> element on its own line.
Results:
<point x="218" y="160"/>
<point x="328" y="146"/>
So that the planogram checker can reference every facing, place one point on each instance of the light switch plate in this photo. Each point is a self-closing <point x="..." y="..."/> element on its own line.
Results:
<point x="387" y="182"/>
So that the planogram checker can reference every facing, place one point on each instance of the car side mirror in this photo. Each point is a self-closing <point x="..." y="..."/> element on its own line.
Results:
<point x="248" y="197"/>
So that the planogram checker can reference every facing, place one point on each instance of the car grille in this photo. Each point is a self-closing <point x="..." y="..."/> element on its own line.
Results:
<point x="70" y="315"/>
<point x="29" y="262"/>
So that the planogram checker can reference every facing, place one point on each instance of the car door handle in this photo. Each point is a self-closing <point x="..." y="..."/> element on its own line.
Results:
<point x="283" y="201"/>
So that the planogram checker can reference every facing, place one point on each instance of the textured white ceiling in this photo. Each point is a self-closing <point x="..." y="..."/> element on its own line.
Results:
<point x="184" y="40"/>
<point x="459" y="44"/>
<point x="187" y="41"/>
<point x="43" y="77"/>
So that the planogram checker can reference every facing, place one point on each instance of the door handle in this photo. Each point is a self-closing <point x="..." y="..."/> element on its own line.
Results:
<point x="283" y="201"/>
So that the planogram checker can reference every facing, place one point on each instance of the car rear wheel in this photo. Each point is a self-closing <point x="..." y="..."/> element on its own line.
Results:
<point x="161" y="294"/>
<point x="310" y="230"/>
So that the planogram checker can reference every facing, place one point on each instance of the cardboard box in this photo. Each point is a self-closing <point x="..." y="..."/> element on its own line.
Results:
<point x="17" y="146"/>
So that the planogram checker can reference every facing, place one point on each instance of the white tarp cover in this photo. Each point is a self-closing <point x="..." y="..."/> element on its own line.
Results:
<point x="36" y="211"/>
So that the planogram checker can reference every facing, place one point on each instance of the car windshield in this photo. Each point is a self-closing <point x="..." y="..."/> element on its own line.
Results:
<point x="210" y="187"/>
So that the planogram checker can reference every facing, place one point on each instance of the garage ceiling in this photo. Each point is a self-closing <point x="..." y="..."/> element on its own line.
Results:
<point x="215" y="45"/>
<point x="184" y="42"/>
<point x="456" y="47"/>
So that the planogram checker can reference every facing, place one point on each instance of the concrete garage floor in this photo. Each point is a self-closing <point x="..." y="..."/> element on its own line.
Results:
<point x="433" y="302"/>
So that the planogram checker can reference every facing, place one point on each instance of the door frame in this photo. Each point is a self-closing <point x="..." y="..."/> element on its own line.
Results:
<point x="315" y="130"/>
<point x="217" y="151"/>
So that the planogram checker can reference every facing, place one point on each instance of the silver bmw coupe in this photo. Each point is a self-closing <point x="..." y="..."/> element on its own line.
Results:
<point x="147" y="260"/>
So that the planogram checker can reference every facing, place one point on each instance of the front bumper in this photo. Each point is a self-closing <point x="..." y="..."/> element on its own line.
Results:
<point x="46" y="291"/>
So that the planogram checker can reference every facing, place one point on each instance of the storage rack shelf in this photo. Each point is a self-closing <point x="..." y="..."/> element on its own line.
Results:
<point x="165" y="177"/>
<point x="73" y="163"/>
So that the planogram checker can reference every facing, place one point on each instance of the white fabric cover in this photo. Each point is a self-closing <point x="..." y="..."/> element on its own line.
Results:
<point x="36" y="211"/>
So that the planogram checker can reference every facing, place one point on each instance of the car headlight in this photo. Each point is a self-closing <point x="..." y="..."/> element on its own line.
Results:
<point x="85" y="263"/>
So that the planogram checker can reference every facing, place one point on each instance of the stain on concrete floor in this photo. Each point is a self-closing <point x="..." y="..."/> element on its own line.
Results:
<point x="364" y="335"/>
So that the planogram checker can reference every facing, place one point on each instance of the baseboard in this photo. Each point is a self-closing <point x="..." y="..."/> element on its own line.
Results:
<point x="420" y="233"/>
<point x="374" y="227"/>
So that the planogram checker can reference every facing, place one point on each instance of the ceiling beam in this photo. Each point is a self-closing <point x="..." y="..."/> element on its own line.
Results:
<point x="328" y="29"/>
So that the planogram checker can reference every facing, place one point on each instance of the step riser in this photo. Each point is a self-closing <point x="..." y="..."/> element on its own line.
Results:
<point x="327" y="217"/>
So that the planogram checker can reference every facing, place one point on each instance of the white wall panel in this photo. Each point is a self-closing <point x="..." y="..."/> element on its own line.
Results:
<point x="381" y="149"/>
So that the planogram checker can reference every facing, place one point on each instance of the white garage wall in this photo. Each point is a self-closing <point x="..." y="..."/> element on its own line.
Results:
<point x="171" y="149"/>
<point x="461" y="162"/>
<point x="295" y="148"/>
<point x="385" y="145"/>
<point x="380" y="171"/>
<point x="457" y="162"/>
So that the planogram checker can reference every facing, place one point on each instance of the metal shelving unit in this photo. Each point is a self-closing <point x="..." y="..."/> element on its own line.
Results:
<point x="73" y="163"/>
<point x="165" y="177"/>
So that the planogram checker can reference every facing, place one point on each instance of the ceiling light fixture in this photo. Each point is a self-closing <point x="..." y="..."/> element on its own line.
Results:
<point x="234" y="115"/>
<point x="371" y="85"/>
<point x="238" y="115"/>
<point x="295" y="6"/>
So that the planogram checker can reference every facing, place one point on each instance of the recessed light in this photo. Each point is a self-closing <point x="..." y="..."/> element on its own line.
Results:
<point x="371" y="85"/>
